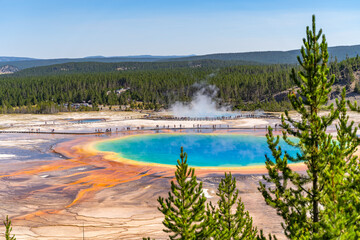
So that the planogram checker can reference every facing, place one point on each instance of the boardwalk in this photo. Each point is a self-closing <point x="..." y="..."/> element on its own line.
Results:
<point x="137" y="129"/>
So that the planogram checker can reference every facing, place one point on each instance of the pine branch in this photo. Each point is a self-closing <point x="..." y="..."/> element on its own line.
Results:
<point x="8" y="229"/>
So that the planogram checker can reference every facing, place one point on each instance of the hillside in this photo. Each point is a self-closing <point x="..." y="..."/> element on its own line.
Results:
<point x="97" y="67"/>
<point x="261" y="57"/>
<point x="22" y="64"/>
<point x="347" y="75"/>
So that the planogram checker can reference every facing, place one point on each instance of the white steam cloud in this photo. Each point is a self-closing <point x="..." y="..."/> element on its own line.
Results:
<point x="203" y="104"/>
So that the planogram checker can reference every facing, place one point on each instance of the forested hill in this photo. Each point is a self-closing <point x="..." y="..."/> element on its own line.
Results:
<point x="140" y="89"/>
<point x="261" y="57"/>
<point x="29" y="63"/>
<point x="97" y="67"/>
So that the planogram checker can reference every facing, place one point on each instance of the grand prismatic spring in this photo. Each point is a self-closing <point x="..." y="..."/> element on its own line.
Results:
<point x="204" y="150"/>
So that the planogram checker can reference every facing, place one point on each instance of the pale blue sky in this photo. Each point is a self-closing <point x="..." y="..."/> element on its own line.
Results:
<point x="79" y="28"/>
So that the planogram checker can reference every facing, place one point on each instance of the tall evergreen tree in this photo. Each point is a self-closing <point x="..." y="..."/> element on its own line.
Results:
<point x="184" y="208"/>
<point x="297" y="197"/>
<point x="232" y="225"/>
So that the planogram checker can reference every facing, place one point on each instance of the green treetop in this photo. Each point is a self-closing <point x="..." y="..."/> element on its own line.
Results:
<point x="184" y="209"/>
<point x="8" y="229"/>
<point x="232" y="225"/>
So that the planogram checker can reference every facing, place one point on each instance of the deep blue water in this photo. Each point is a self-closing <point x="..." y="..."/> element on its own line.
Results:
<point x="215" y="150"/>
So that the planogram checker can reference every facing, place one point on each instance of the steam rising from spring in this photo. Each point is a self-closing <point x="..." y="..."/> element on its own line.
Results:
<point x="203" y="104"/>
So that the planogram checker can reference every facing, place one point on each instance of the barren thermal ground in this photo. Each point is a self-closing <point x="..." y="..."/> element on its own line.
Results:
<point x="54" y="186"/>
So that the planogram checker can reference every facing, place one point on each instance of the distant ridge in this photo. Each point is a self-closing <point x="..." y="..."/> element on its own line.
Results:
<point x="260" y="57"/>
<point x="23" y="64"/>
<point x="277" y="57"/>
<point x="95" y="57"/>
<point x="12" y="59"/>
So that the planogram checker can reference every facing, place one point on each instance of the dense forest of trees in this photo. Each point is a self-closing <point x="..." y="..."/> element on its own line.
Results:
<point x="237" y="84"/>
<point x="152" y="85"/>
<point x="344" y="71"/>
<point x="91" y="67"/>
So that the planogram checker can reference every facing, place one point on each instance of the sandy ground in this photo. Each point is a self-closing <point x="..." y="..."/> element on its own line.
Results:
<point x="51" y="196"/>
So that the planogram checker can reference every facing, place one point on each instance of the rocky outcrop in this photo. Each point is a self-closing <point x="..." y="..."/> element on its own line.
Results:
<point x="8" y="69"/>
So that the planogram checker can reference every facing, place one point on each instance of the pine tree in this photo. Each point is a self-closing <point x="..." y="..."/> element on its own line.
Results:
<point x="8" y="229"/>
<point x="341" y="192"/>
<point x="184" y="209"/>
<point x="297" y="197"/>
<point x="237" y="225"/>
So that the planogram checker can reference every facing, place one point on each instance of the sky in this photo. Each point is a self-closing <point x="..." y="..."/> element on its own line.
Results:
<point x="80" y="28"/>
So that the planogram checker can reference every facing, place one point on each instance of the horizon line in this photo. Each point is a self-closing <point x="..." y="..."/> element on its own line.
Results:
<point x="172" y="55"/>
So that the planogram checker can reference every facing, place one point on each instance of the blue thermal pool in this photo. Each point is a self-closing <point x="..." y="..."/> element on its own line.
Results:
<point x="204" y="150"/>
<point x="90" y="120"/>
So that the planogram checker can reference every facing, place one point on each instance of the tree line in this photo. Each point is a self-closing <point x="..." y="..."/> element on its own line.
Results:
<point x="156" y="87"/>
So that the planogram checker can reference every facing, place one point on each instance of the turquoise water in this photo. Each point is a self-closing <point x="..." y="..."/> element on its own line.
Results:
<point x="204" y="150"/>
<point x="90" y="120"/>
